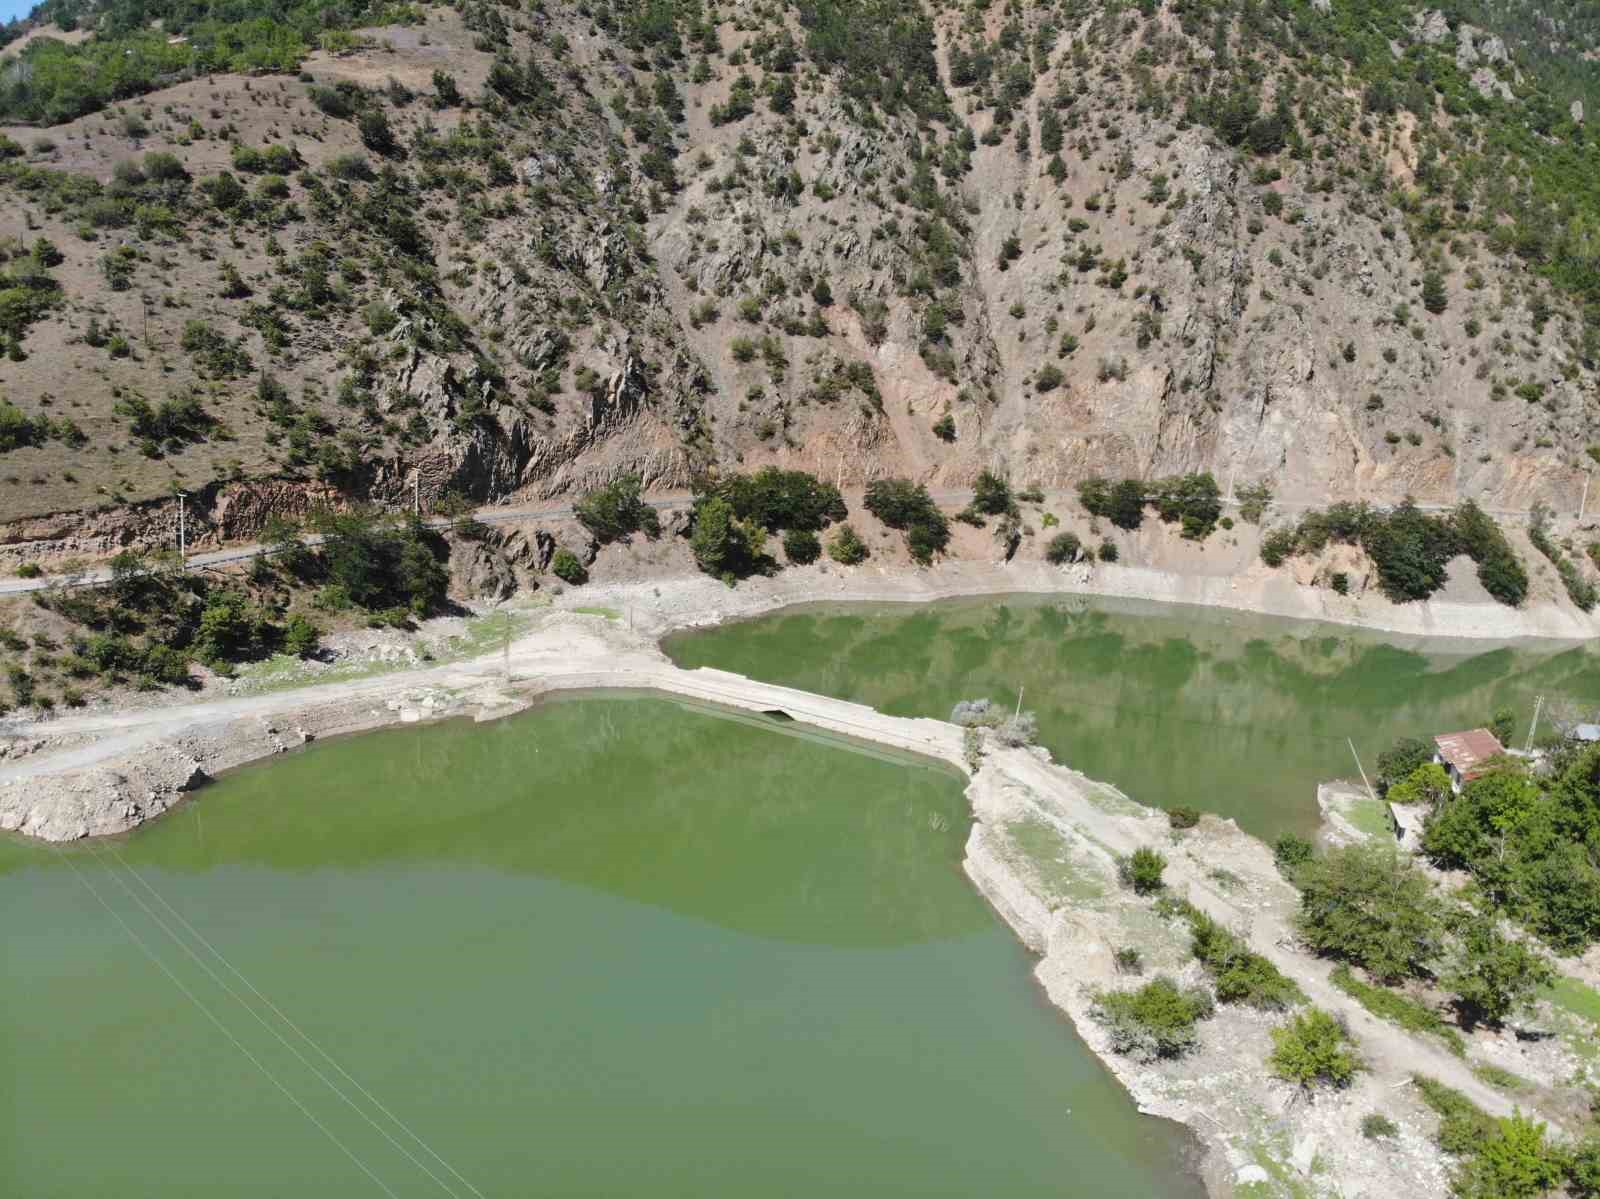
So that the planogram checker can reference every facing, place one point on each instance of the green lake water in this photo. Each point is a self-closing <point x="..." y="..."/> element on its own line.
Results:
<point x="611" y="947"/>
<point x="1228" y="712"/>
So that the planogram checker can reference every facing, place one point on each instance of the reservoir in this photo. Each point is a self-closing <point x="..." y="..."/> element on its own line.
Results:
<point x="1228" y="712"/>
<point x="610" y="947"/>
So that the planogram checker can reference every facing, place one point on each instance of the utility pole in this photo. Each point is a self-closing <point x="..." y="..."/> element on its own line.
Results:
<point x="1020" y="690"/>
<point x="1538" y="705"/>
<point x="1361" y="768"/>
<point x="416" y="493"/>
<point x="183" y="542"/>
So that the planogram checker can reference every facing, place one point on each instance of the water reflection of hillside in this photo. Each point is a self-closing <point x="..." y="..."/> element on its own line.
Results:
<point x="1235" y="713"/>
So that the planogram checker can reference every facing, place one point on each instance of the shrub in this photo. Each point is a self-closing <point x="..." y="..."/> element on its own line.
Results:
<point x="300" y="636"/>
<point x="904" y="505"/>
<point x="991" y="495"/>
<point x="846" y="547"/>
<point x="1376" y="1126"/>
<point x="568" y="567"/>
<point x="1513" y="1162"/>
<point x="1290" y="853"/>
<point x="782" y="499"/>
<point x="1253" y="501"/>
<point x="1278" y="545"/>
<point x="616" y="511"/>
<point x="1120" y="503"/>
<point x="1314" y="1049"/>
<point x="1239" y="974"/>
<point x="1063" y="548"/>
<point x="1155" y="1021"/>
<point x="1183" y="817"/>
<point x="1463" y="1125"/>
<point x="29" y="570"/>
<point x="1107" y="552"/>
<point x="1142" y="870"/>
<point x="1128" y="960"/>
<point x="1194" y="500"/>
<point x="1048" y="378"/>
<point x="801" y="546"/>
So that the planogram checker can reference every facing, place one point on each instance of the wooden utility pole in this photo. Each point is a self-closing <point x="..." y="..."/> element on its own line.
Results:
<point x="1361" y="768"/>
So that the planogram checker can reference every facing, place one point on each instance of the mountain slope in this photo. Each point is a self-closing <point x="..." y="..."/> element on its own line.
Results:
<point x="1341" y="247"/>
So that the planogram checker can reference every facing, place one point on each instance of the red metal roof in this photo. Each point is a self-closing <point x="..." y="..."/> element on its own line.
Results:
<point x="1468" y="751"/>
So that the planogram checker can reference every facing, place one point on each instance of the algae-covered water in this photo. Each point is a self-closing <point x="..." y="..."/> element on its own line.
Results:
<point x="1229" y="712"/>
<point x="612" y="947"/>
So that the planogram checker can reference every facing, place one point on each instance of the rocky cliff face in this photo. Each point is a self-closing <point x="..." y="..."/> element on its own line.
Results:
<point x="726" y="241"/>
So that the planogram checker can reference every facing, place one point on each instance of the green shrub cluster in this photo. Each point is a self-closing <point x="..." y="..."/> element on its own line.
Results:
<point x="907" y="506"/>
<point x="1239" y="974"/>
<point x="1579" y="590"/>
<point x="127" y="57"/>
<point x="1158" y="1020"/>
<point x="1142" y="870"/>
<point x="1314" y="1049"/>
<point x="782" y="499"/>
<point x="1194" y="501"/>
<point x="616" y="511"/>
<point x="1409" y="547"/>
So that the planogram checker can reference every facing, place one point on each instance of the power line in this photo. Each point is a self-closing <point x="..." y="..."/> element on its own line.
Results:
<point x="223" y="1028"/>
<point x="323" y="1078"/>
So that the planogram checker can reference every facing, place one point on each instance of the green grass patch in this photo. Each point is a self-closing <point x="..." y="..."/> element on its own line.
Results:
<point x="1369" y="816"/>
<point x="1503" y="1079"/>
<point x="1066" y="877"/>
<point x="1463" y="1125"/>
<point x="608" y="613"/>
<point x="1398" y="1009"/>
<point x="1578" y="998"/>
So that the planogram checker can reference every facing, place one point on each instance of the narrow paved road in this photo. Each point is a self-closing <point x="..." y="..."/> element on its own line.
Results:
<point x="954" y="500"/>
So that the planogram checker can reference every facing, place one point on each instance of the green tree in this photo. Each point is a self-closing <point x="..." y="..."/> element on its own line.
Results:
<point x="1493" y="976"/>
<point x="1397" y="762"/>
<point x="300" y="636"/>
<point x="991" y="495"/>
<point x="1513" y="1163"/>
<point x="1367" y="905"/>
<point x="846" y="547"/>
<point x="1314" y="1049"/>
<point x="616" y="511"/>
<point x="1427" y="784"/>
<point x="1434" y="297"/>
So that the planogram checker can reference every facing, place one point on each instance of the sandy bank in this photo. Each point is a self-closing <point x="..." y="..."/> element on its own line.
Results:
<point x="671" y="602"/>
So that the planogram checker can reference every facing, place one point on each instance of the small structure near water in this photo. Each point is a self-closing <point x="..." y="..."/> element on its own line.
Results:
<point x="1466" y="755"/>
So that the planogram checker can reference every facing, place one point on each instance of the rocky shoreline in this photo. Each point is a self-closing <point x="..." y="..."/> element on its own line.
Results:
<point x="105" y="773"/>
